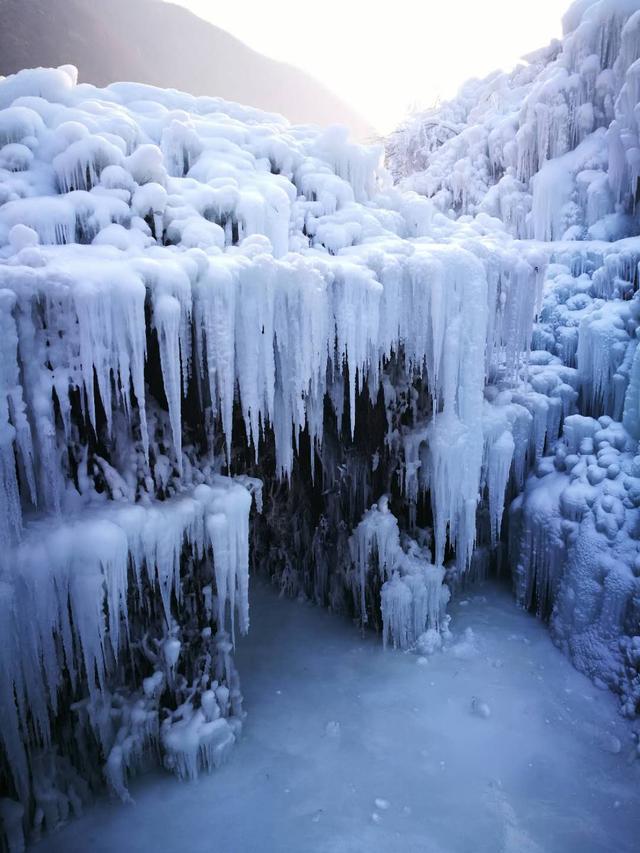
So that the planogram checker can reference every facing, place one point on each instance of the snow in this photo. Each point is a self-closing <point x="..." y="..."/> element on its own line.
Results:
<point x="341" y="730"/>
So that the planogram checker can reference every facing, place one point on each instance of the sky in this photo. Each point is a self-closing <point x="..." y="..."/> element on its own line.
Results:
<point x="386" y="58"/>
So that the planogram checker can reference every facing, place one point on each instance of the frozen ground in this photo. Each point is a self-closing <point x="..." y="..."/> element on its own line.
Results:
<point x="348" y="747"/>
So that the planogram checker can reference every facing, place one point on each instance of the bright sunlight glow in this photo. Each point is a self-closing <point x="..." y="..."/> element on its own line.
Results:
<point x="387" y="58"/>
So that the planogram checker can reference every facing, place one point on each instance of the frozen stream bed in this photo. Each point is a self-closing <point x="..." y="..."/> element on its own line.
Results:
<point x="348" y="747"/>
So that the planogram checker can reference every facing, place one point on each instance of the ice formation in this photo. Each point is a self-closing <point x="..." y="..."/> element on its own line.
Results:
<point x="200" y="303"/>
<point x="551" y="150"/>
<point x="413" y="597"/>
<point x="185" y="286"/>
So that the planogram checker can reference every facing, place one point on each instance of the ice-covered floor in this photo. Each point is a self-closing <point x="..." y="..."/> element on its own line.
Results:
<point x="351" y="748"/>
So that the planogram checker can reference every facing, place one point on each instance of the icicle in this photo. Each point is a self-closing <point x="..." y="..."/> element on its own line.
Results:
<point x="215" y="318"/>
<point x="166" y="315"/>
<point x="412" y="597"/>
<point x="227" y="521"/>
<point x="10" y="511"/>
<point x="499" y="460"/>
<point x="395" y="602"/>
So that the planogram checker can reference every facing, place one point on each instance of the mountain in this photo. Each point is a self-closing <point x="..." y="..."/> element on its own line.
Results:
<point x="151" y="41"/>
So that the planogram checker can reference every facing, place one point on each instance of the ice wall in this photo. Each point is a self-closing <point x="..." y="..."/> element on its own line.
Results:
<point x="551" y="150"/>
<point x="189" y="287"/>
